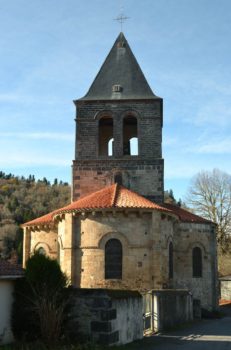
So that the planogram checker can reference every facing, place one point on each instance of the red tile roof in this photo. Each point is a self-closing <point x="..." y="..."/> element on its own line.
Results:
<point x="42" y="220"/>
<point x="186" y="216"/>
<point x="8" y="269"/>
<point x="114" y="196"/>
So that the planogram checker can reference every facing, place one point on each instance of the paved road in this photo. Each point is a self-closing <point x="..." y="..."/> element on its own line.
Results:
<point x="212" y="334"/>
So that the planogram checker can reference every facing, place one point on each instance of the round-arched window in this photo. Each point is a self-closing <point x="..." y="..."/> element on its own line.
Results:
<point x="197" y="262"/>
<point x="113" y="259"/>
<point x="41" y="251"/>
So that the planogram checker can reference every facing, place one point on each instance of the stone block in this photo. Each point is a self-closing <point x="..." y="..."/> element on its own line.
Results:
<point x="101" y="326"/>
<point x="109" y="338"/>
<point x="107" y="315"/>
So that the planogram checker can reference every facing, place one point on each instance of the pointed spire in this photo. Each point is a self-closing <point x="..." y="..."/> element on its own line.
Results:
<point x="120" y="76"/>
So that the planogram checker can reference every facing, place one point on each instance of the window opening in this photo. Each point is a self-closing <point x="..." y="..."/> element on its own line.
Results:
<point x="197" y="262"/>
<point x="105" y="136"/>
<point x="134" y="146"/>
<point x="113" y="259"/>
<point x="110" y="147"/>
<point x="170" y="260"/>
<point x="58" y="252"/>
<point x="118" y="179"/>
<point x="130" y="146"/>
<point x="41" y="251"/>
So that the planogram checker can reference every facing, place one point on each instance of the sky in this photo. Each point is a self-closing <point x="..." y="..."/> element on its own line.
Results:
<point x="51" y="51"/>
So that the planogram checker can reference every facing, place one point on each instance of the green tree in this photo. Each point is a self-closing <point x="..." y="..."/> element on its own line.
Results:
<point x="40" y="300"/>
<point x="23" y="199"/>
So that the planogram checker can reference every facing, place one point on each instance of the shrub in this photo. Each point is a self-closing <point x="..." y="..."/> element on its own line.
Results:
<point x="39" y="301"/>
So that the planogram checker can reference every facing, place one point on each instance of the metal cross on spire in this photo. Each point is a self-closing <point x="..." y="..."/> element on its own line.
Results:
<point x="121" y="18"/>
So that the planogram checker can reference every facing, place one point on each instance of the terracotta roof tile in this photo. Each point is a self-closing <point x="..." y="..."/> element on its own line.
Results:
<point x="42" y="220"/>
<point x="114" y="196"/>
<point x="9" y="269"/>
<point x="117" y="197"/>
<point x="186" y="216"/>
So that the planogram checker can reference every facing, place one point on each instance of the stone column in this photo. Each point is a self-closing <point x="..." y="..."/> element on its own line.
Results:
<point x="67" y="265"/>
<point x="118" y="137"/>
<point x="157" y="259"/>
<point x="26" y="245"/>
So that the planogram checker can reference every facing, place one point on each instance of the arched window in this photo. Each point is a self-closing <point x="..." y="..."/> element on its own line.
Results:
<point x="197" y="262"/>
<point x="58" y="252"/>
<point x="113" y="259"/>
<point x="130" y="146"/>
<point x="105" y="136"/>
<point x="170" y="260"/>
<point x="118" y="179"/>
<point x="41" y="251"/>
<point x="134" y="146"/>
<point x="110" y="147"/>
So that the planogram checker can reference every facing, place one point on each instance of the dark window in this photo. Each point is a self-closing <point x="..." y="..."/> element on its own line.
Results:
<point x="113" y="259"/>
<point x="197" y="262"/>
<point x="118" y="179"/>
<point x="106" y="136"/>
<point x="130" y="140"/>
<point x="170" y="260"/>
<point x="41" y="251"/>
<point x="58" y="252"/>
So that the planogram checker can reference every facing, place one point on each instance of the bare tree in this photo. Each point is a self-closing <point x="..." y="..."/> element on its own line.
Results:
<point x="210" y="197"/>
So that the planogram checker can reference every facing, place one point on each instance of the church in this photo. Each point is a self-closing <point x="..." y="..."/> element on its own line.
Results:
<point x="117" y="232"/>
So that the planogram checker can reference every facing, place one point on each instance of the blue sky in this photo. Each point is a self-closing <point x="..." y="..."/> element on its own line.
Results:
<point x="50" y="52"/>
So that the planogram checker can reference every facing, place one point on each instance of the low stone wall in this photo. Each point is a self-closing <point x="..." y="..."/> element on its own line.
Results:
<point x="225" y="288"/>
<point x="173" y="307"/>
<point x="105" y="316"/>
<point x="167" y="308"/>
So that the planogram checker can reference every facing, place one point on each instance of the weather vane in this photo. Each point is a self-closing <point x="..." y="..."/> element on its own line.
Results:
<point x="121" y="18"/>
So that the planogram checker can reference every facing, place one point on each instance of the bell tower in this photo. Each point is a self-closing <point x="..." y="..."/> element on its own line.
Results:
<point x="119" y="130"/>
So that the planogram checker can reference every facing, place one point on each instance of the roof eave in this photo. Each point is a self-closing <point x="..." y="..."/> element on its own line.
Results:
<point x="118" y="209"/>
<point x="127" y="99"/>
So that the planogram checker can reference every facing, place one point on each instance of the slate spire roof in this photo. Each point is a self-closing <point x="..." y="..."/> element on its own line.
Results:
<point x="122" y="70"/>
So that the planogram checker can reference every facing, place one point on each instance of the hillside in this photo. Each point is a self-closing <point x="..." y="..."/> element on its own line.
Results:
<point x="23" y="199"/>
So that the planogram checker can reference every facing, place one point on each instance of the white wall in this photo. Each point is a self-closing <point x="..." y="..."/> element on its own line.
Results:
<point x="225" y="289"/>
<point x="129" y="320"/>
<point x="6" y="300"/>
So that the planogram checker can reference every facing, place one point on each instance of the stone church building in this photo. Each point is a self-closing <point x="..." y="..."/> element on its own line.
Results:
<point x="118" y="232"/>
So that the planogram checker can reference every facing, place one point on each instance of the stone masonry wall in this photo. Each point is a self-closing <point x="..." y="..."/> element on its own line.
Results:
<point x="134" y="232"/>
<point x="46" y="239"/>
<point x="149" y="117"/>
<point x="144" y="238"/>
<point x="104" y="316"/>
<point x="142" y="173"/>
<point x="187" y="237"/>
<point x="142" y="176"/>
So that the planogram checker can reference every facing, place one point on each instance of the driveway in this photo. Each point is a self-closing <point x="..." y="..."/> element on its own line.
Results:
<point x="206" y="334"/>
